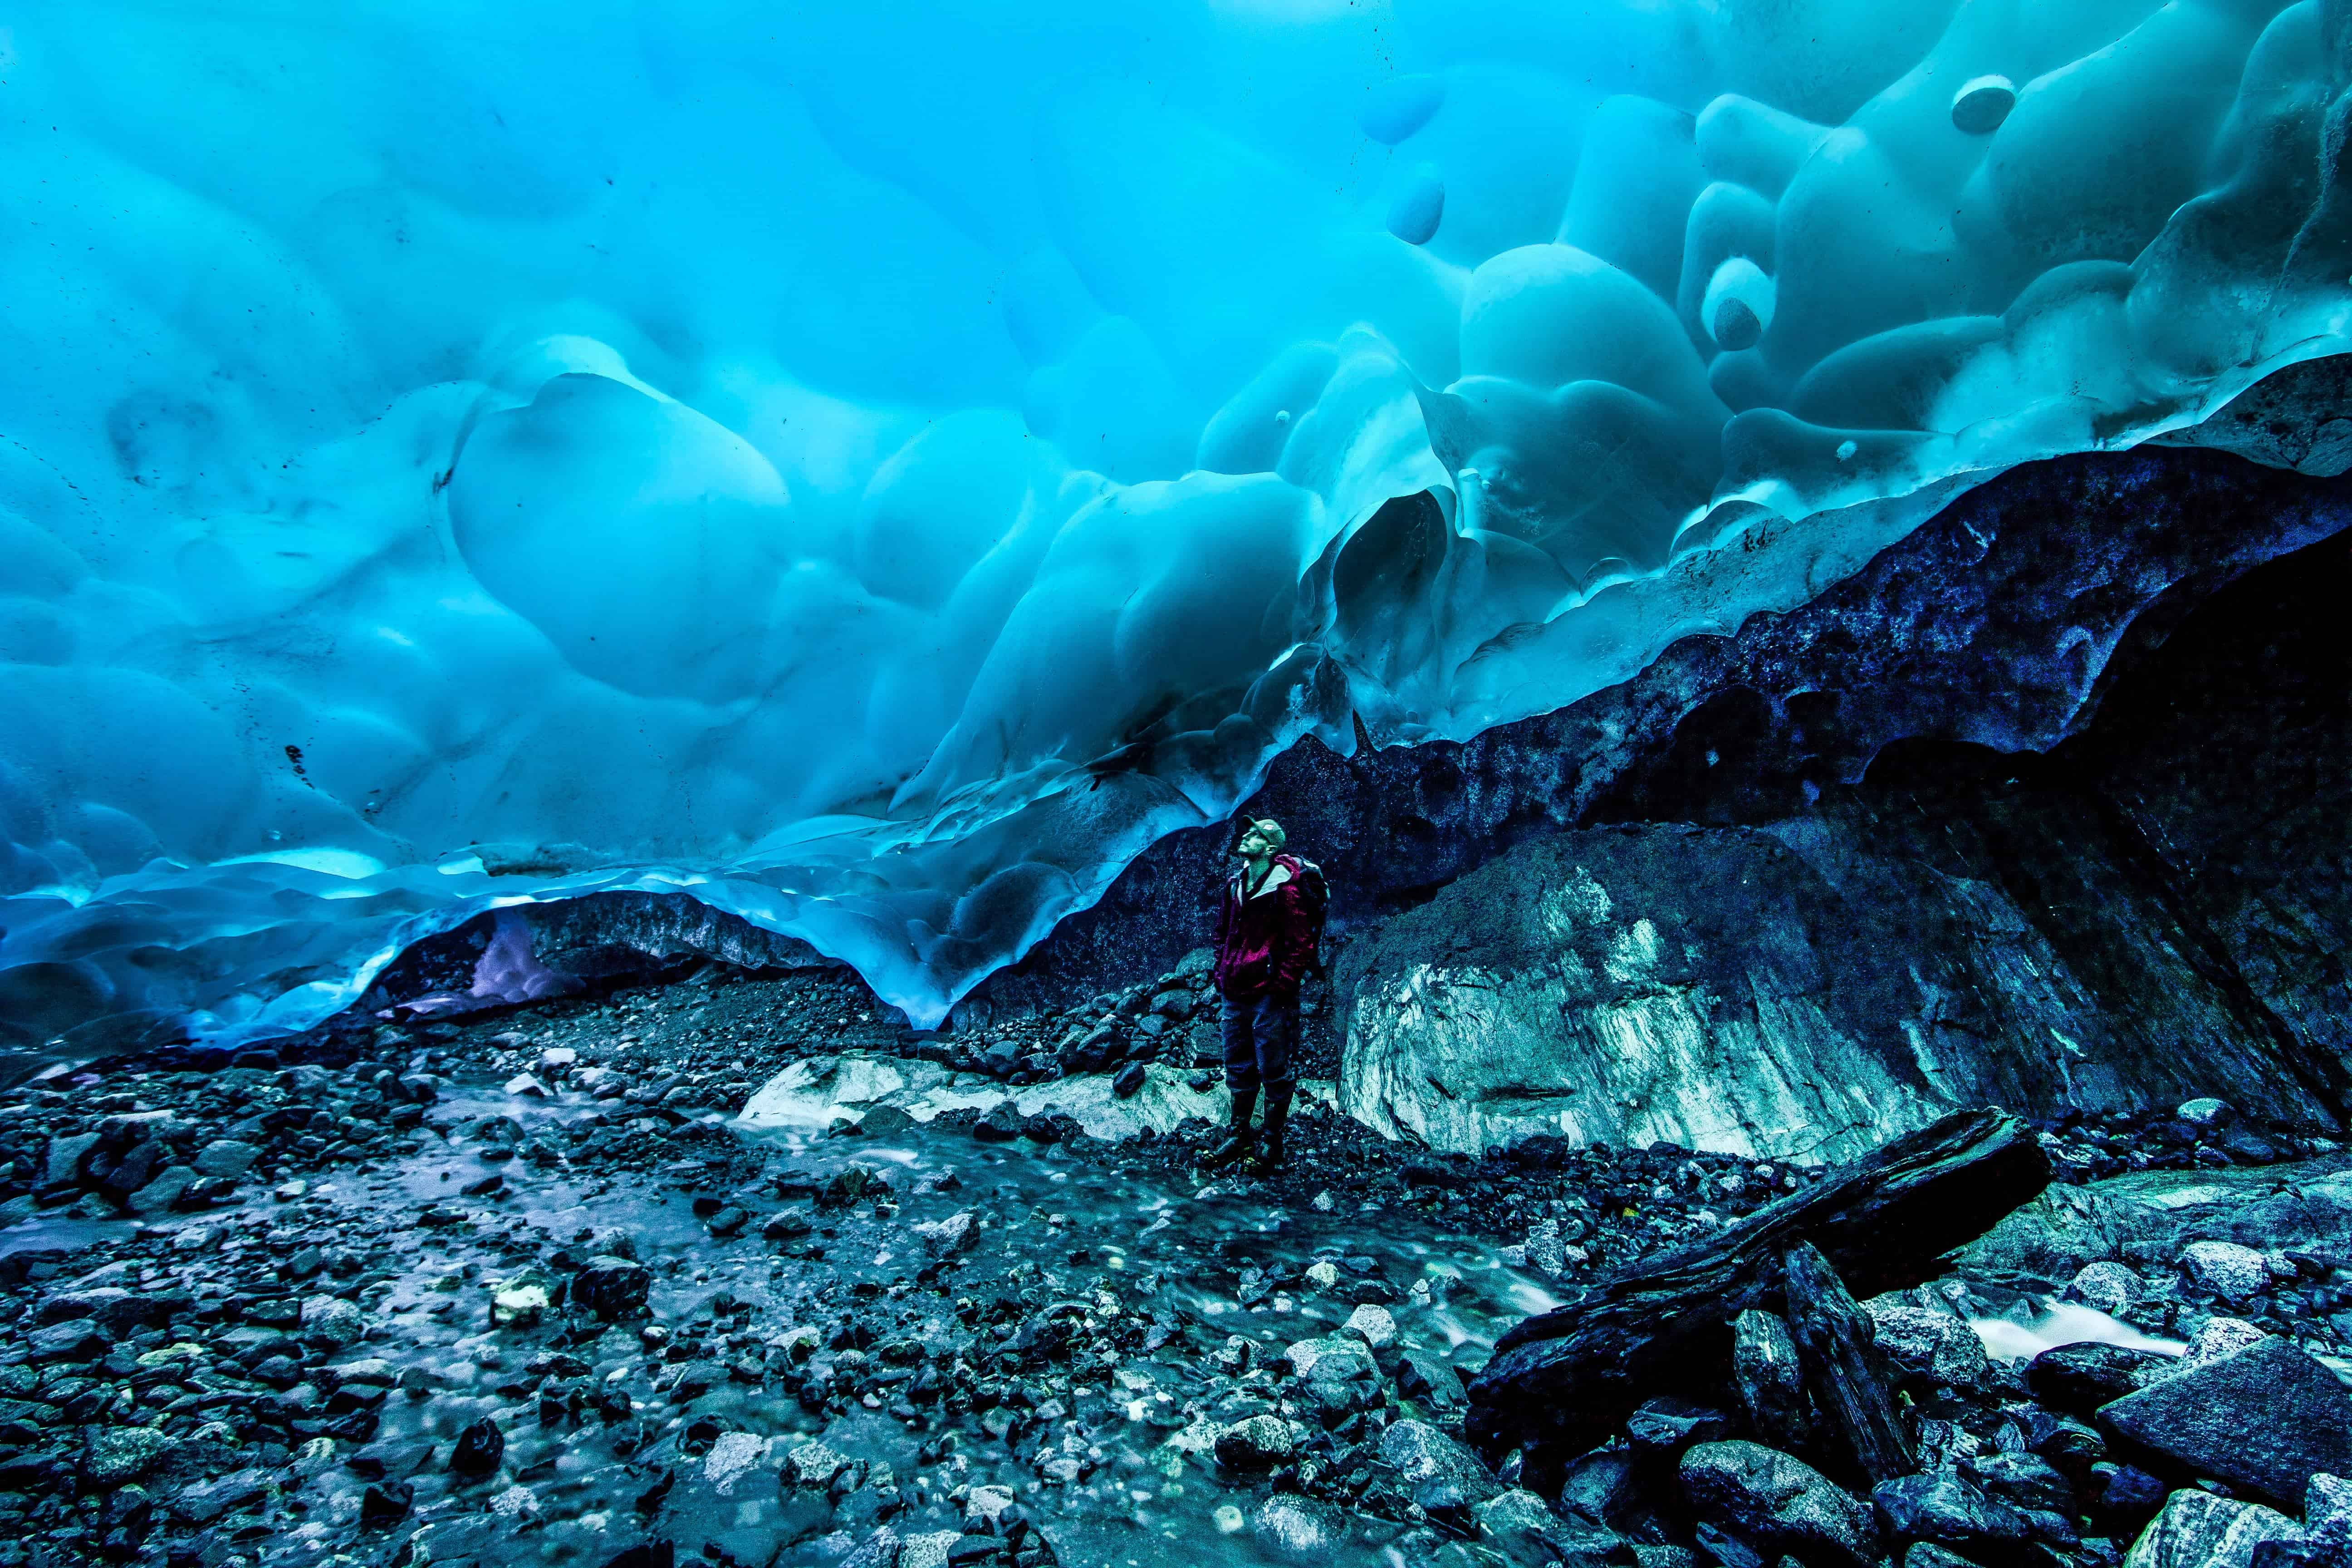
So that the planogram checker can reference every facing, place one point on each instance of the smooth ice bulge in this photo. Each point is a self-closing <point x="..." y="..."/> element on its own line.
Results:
<point x="877" y="468"/>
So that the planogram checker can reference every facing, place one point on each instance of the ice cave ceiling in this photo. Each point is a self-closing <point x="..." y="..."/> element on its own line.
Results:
<point x="878" y="467"/>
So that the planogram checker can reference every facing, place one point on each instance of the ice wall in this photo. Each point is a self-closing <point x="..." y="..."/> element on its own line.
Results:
<point x="876" y="468"/>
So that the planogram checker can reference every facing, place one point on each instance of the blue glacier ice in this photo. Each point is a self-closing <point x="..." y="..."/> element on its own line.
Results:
<point x="875" y="469"/>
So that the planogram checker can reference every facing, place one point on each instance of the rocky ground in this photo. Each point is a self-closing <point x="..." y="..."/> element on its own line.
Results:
<point x="515" y="1287"/>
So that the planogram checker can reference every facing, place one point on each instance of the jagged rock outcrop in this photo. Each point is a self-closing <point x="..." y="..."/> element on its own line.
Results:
<point x="2042" y="809"/>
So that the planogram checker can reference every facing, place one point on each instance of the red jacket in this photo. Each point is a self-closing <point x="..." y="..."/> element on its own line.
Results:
<point x="1266" y="941"/>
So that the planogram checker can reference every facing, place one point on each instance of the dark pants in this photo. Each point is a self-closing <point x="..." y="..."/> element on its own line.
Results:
<point x="1259" y="1033"/>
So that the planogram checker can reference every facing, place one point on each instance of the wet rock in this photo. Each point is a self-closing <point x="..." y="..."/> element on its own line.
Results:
<point x="1442" y="1475"/>
<point x="2122" y="1498"/>
<point x="732" y="1457"/>
<point x="115" y="1455"/>
<point x="1776" y="1502"/>
<point x="478" y="1450"/>
<point x="1519" y="1524"/>
<point x="929" y="1549"/>
<point x="1294" y="1529"/>
<point x="2267" y="1419"/>
<point x="1602" y="1488"/>
<point x="1665" y="1429"/>
<point x="67" y="1157"/>
<point x="2105" y="1287"/>
<point x="1130" y="1081"/>
<point x="163" y="1193"/>
<point x="332" y="1322"/>
<point x="520" y="1299"/>
<point x="75" y="1340"/>
<point x="1373" y="1325"/>
<point x="2217" y="1337"/>
<point x="944" y="1238"/>
<point x="1002" y="1124"/>
<point x="814" y="1466"/>
<point x="2232" y="1272"/>
<point x="785" y="1224"/>
<point x="2210" y="1114"/>
<point x="227" y="1157"/>
<point x="384" y="1505"/>
<point x="2197" y="1530"/>
<point x="728" y="1223"/>
<point x="614" y="1289"/>
<point x="2024" y="1481"/>
<point x="1430" y="1380"/>
<point x="1928" y="1346"/>
<point x="1336" y="1376"/>
<point x="1944" y="1507"/>
<point x="204" y="1501"/>
<point x="2079" y="1378"/>
<point x="1259" y="1443"/>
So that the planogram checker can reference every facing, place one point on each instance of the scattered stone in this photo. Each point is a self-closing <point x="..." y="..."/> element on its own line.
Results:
<point x="943" y="1237"/>
<point x="1259" y="1443"/>
<point x="478" y="1450"/>
<point x="332" y="1323"/>
<point x="227" y="1157"/>
<point x="814" y="1466"/>
<point x="1371" y="1324"/>
<point x="1944" y="1507"/>
<point x="1439" y="1472"/>
<point x="614" y="1289"/>
<point x="520" y="1300"/>
<point x="2217" y="1337"/>
<point x="2109" y="1287"/>
<point x="116" y="1455"/>
<point x="2232" y="1272"/>
<point x="1776" y="1502"/>
<point x="1930" y="1346"/>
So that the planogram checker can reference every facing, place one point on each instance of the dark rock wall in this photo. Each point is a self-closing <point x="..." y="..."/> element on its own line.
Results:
<point x="2080" y="761"/>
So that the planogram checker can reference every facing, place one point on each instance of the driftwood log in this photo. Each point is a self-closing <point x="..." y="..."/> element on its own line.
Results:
<point x="1562" y="1382"/>
<point x="1843" y="1366"/>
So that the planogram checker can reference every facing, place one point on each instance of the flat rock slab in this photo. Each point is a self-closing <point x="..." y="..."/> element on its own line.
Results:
<point x="2267" y="1420"/>
<point x="813" y="1093"/>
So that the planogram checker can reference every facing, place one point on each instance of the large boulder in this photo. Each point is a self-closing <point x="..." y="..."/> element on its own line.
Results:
<point x="2266" y="1420"/>
<point x="1947" y="1508"/>
<point x="1776" y="1503"/>
<point x="2197" y="1530"/>
<point x="1700" y="985"/>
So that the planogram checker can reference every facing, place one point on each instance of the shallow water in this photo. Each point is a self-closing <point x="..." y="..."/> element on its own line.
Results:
<point x="1151" y="1240"/>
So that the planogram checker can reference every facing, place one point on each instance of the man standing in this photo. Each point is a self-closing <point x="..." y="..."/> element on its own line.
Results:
<point x="1267" y="929"/>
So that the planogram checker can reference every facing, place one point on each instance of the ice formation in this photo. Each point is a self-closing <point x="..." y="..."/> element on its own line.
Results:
<point x="876" y="468"/>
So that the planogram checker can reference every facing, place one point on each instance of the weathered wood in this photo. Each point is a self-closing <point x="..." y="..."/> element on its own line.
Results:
<point x="1770" y="1383"/>
<point x="1848" y="1378"/>
<point x="1563" y="1382"/>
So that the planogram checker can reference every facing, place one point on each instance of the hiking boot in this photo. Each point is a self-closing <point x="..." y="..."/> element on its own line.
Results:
<point x="1241" y="1145"/>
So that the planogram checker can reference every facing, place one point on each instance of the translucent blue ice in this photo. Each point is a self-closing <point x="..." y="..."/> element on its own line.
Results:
<point x="877" y="467"/>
